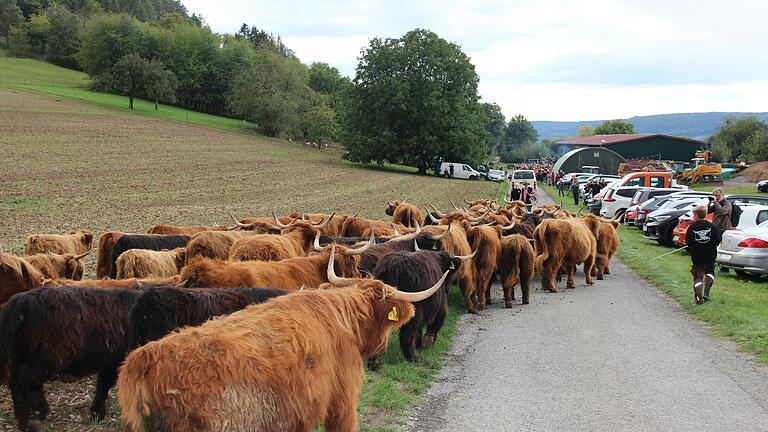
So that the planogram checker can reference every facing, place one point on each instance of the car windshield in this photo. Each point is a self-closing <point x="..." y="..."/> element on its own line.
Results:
<point x="523" y="175"/>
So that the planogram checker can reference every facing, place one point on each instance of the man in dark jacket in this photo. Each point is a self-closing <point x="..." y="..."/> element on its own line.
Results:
<point x="702" y="239"/>
<point x="721" y="210"/>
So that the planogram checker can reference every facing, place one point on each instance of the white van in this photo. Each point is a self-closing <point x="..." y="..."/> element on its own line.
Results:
<point x="460" y="171"/>
<point x="520" y="176"/>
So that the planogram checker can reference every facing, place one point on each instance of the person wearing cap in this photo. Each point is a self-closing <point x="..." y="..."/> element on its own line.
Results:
<point x="702" y="239"/>
<point x="721" y="210"/>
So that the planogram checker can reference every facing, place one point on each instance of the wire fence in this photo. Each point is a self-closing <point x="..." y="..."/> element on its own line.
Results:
<point x="41" y="83"/>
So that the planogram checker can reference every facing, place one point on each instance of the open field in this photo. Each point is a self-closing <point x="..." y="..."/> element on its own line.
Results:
<point x="29" y="71"/>
<point x="738" y="308"/>
<point x="69" y="165"/>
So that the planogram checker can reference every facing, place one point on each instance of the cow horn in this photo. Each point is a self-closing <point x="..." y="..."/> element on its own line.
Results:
<point x="509" y="227"/>
<point x="323" y="224"/>
<point x="418" y="227"/>
<point x="364" y="248"/>
<point x="465" y="200"/>
<point x="416" y="245"/>
<point x="78" y="257"/>
<point x="405" y="200"/>
<point x="238" y="223"/>
<point x="479" y="218"/>
<point x="467" y="257"/>
<point x="279" y="224"/>
<point x="455" y="206"/>
<point x="443" y="235"/>
<point x="396" y="232"/>
<point x="389" y="203"/>
<point x="317" y="246"/>
<point x="437" y="212"/>
<point x="182" y="284"/>
<point x="302" y="287"/>
<point x="422" y="295"/>
<point x="53" y="254"/>
<point x="331" y="273"/>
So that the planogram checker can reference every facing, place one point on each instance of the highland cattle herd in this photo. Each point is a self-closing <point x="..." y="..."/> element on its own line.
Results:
<point x="266" y="322"/>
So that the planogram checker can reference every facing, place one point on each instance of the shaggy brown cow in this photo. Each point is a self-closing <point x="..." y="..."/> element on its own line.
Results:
<point x="73" y="243"/>
<point x="16" y="275"/>
<point x="516" y="266"/>
<point x="214" y="244"/>
<point x="486" y="242"/>
<point x="143" y="263"/>
<point x="112" y="283"/>
<point x="288" y="274"/>
<point x="188" y="230"/>
<point x="294" y="241"/>
<point x="54" y="266"/>
<point x="607" y="245"/>
<point x="291" y="364"/>
<point x="104" y="261"/>
<point x="404" y="214"/>
<point x="456" y="244"/>
<point x="335" y="227"/>
<point x="564" y="243"/>
<point x="361" y="227"/>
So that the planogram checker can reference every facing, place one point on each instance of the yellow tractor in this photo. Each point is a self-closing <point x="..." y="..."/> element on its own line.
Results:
<point x="702" y="171"/>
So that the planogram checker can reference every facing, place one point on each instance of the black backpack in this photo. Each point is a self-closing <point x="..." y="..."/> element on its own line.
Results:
<point x="735" y="214"/>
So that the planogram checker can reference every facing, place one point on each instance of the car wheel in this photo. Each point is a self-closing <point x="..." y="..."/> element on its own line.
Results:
<point x="666" y="239"/>
<point x="472" y="178"/>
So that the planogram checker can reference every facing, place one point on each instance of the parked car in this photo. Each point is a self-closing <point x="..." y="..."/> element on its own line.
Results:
<point x="660" y="223"/>
<point x="653" y="204"/>
<point x="656" y="179"/>
<point x="616" y="202"/>
<point x="641" y="196"/>
<point x="748" y="204"/>
<point x="745" y="251"/>
<point x="460" y="171"/>
<point x="762" y="186"/>
<point x="495" y="175"/>
<point x="520" y="176"/>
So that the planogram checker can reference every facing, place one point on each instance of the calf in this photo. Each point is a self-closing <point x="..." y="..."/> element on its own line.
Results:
<point x="54" y="266"/>
<point x="73" y="243"/>
<point x="404" y="214"/>
<point x="156" y="242"/>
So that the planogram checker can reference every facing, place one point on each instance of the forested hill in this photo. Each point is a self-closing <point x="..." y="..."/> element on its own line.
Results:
<point x="692" y="125"/>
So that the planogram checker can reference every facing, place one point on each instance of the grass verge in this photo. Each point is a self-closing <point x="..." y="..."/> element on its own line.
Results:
<point x="738" y="308"/>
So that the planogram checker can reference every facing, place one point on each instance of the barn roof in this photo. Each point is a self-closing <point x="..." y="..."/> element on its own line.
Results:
<point x="601" y="140"/>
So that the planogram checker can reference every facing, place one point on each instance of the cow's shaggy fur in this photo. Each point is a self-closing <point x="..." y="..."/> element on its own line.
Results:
<point x="143" y="263"/>
<point x="17" y="275"/>
<point x="75" y="243"/>
<point x="57" y="266"/>
<point x="214" y="244"/>
<point x="516" y="266"/>
<point x="456" y="244"/>
<point x="188" y="230"/>
<point x="564" y="243"/>
<point x="104" y="263"/>
<point x="155" y="242"/>
<point x="404" y="214"/>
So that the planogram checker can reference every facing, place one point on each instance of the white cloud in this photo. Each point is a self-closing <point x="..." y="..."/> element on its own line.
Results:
<point x="549" y="59"/>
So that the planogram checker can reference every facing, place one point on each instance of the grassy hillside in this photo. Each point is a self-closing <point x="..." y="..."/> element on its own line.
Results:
<point x="42" y="77"/>
<point x="68" y="165"/>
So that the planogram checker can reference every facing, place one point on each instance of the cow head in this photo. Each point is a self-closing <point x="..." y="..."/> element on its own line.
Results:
<point x="66" y="266"/>
<point x="391" y="206"/>
<point x="16" y="275"/>
<point x="86" y="238"/>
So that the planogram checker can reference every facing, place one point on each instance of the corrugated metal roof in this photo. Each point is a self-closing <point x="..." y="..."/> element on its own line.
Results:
<point x="600" y="140"/>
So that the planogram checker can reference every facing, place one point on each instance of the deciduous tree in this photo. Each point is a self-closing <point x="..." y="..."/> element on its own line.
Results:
<point x="10" y="16"/>
<point x="615" y="127"/>
<point x="519" y="132"/>
<point x="586" y="130"/>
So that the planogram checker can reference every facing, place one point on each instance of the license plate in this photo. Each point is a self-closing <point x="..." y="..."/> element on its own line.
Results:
<point x="645" y="227"/>
<point x="724" y="257"/>
<point x="675" y="238"/>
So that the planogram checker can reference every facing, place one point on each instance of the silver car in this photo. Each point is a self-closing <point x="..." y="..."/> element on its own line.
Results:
<point x="745" y="251"/>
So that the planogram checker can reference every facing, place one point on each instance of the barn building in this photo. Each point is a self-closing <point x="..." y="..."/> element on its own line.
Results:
<point x="604" y="159"/>
<point x="637" y="146"/>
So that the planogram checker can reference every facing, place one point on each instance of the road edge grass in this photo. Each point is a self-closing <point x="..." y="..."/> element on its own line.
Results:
<point x="738" y="308"/>
<point x="390" y="394"/>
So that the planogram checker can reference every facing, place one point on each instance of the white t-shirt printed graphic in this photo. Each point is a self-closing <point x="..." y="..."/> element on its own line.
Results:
<point x="702" y="236"/>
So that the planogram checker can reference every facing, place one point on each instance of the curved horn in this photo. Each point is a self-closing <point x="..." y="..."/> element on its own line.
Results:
<point x="443" y="235"/>
<point x="53" y="254"/>
<point x="316" y="245"/>
<point x="397" y="233"/>
<point x="479" y="218"/>
<point x="405" y="200"/>
<point x="467" y="257"/>
<point x="418" y="227"/>
<point x="362" y="249"/>
<point x="78" y="257"/>
<point x="509" y="227"/>
<point x="302" y="287"/>
<point x="455" y="206"/>
<point x="331" y="273"/>
<point x="182" y="284"/>
<point x="416" y="245"/>
<point x="437" y="212"/>
<point x="419" y="296"/>
<point x="433" y="220"/>
<point x="238" y="223"/>
<point x="465" y="201"/>
<point x="389" y="203"/>
<point x="323" y="224"/>
<point x="580" y="210"/>
<point x="279" y="224"/>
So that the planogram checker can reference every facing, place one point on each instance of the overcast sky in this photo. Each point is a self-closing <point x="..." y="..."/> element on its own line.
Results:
<point x="549" y="59"/>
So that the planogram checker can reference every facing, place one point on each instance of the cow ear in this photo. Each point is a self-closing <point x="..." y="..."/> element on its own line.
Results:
<point x="88" y="238"/>
<point x="28" y="277"/>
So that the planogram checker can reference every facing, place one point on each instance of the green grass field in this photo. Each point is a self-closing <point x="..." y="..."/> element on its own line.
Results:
<point x="738" y="308"/>
<point x="34" y="72"/>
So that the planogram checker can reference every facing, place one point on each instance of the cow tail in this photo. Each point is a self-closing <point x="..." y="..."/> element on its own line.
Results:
<point x="540" y="237"/>
<point x="132" y="394"/>
<point x="11" y="316"/>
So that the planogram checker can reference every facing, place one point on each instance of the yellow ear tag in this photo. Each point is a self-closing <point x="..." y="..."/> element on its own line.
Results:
<point x="452" y="267"/>
<point x="392" y="314"/>
<point x="434" y="246"/>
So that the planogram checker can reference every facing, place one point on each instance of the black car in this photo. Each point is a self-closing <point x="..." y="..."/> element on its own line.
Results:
<point x="762" y="186"/>
<point x="654" y="203"/>
<point x="660" y="223"/>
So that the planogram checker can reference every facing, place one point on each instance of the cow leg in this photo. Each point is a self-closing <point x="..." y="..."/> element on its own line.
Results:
<point x="343" y="419"/>
<point x="488" y="290"/>
<point x="26" y="385"/>
<point x="570" y="284"/>
<point x="525" y="287"/>
<point x="104" y="381"/>
<point x="548" y="279"/>
<point x="408" y="335"/>
<point x="588" y="264"/>
<point x="434" y="327"/>
<point x="466" y="291"/>
<point x="509" y="288"/>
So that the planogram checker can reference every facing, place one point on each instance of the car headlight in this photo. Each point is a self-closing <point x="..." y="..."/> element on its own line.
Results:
<point x="662" y="218"/>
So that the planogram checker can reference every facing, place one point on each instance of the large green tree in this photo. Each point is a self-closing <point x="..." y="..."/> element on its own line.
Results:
<point x="519" y="133"/>
<point x="415" y="101"/>
<point x="134" y="76"/>
<point x="273" y="92"/>
<point x="108" y="38"/>
<point x="65" y="36"/>
<point x="495" y="125"/>
<point x="739" y="139"/>
<point x="615" y="127"/>
<point x="10" y="16"/>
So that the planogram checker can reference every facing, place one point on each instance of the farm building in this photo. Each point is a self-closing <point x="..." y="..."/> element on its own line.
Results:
<point x="637" y="146"/>
<point x="606" y="160"/>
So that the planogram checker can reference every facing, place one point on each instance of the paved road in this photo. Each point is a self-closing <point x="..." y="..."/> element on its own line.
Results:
<point x="616" y="356"/>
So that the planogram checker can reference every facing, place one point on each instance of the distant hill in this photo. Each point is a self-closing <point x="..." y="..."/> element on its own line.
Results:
<point x="692" y="125"/>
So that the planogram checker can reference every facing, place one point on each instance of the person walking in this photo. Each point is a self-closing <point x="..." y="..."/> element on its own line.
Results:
<point x="516" y="193"/>
<point x="702" y="239"/>
<point x="722" y="212"/>
<point x="575" y="190"/>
